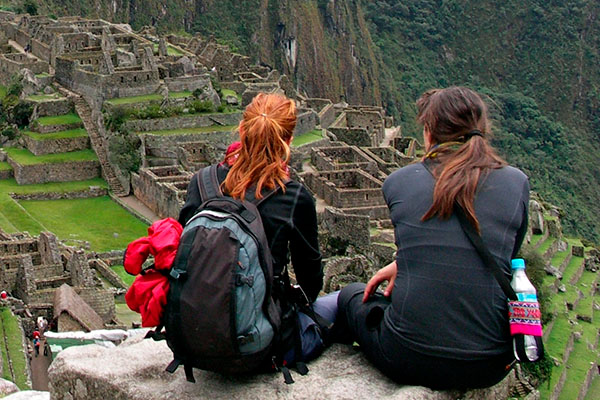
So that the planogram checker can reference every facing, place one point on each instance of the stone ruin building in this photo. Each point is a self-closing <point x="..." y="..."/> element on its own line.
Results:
<point x="85" y="68"/>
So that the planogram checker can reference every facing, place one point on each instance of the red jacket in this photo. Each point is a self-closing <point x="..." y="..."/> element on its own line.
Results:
<point x="148" y="293"/>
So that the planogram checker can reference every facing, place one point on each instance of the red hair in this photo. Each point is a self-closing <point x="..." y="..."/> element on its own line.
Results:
<point x="265" y="132"/>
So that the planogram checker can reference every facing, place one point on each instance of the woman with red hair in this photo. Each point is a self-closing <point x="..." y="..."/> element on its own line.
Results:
<point x="289" y="216"/>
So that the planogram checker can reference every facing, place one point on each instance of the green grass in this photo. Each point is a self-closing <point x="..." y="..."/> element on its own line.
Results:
<point x="127" y="278"/>
<point x="4" y="166"/>
<point x="126" y="316"/>
<point x="579" y="363"/>
<point x="14" y="218"/>
<point x="594" y="389"/>
<point x="71" y="133"/>
<point x="229" y="92"/>
<point x="2" y="91"/>
<point x="171" y="51"/>
<point x="43" y="75"/>
<point x="572" y="268"/>
<point x="100" y="221"/>
<point x="44" y="97"/>
<point x="307" y="137"/>
<point x="25" y="157"/>
<point x="13" y="336"/>
<point x="535" y="239"/>
<point x="186" y="131"/>
<point x="546" y="245"/>
<point x="135" y="99"/>
<point x="559" y="257"/>
<point x="65" y="119"/>
<point x="179" y="95"/>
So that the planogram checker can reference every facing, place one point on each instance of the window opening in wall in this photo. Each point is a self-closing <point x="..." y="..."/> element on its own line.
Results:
<point x="147" y="77"/>
<point x="122" y="79"/>
<point x="135" y="78"/>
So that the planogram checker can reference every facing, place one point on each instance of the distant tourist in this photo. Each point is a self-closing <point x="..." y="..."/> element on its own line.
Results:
<point x="442" y="321"/>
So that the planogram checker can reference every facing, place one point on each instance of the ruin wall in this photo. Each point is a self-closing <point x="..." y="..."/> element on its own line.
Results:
<point x="327" y="116"/>
<point x="349" y="227"/>
<point x="187" y="83"/>
<point x="52" y="146"/>
<point x="352" y="136"/>
<point x="59" y="172"/>
<point x="53" y="107"/>
<point x="306" y="121"/>
<point x="191" y="121"/>
<point x="101" y="300"/>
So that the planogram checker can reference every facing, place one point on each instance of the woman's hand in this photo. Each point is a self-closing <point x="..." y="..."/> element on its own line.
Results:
<point x="387" y="273"/>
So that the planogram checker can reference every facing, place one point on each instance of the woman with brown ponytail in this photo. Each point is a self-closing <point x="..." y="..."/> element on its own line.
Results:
<point x="442" y="321"/>
<point x="259" y="165"/>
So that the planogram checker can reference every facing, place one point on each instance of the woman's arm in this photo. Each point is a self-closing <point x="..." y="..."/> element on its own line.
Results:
<point x="387" y="273"/>
<point x="304" y="245"/>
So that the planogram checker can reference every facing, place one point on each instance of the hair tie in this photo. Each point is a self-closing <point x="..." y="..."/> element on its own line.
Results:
<point x="263" y="114"/>
<point x="470" y="134"/>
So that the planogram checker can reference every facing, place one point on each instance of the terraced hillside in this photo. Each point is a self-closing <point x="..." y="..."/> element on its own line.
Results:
<point x="571" y="338"/>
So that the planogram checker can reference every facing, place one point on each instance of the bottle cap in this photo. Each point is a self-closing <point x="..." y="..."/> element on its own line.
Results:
<point x="517" y="263"/>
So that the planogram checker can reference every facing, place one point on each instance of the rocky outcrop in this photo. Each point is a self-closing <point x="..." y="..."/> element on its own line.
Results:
<point x="135" y="370"/>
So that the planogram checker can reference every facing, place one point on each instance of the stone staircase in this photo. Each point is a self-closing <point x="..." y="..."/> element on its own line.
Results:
<point x="99" y="145"/>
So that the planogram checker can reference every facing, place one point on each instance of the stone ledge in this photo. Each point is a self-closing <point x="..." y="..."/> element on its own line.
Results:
<point x="135" y="370"/>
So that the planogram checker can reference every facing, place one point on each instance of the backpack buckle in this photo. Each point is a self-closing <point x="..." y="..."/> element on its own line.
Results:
<point x="242" y="279"/>
<point x="243" y="340"/>
<point x="176" y="274"/>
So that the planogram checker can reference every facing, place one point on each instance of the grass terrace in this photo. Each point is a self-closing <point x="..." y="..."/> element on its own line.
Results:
<point x="2" y="91"/>
<point x="188" y="131"/>
<point x="146" y="98"/>
<point x="65" y="119"/>
<point x="44" y="97"/>
<point x="71" y="133"/>
<point x="535" y="239"/>
<point x="579" y="362"/>
<point x="98" y="220"/>
<point x="11" y="347"/>
<point x="119" y="270"/>
<point x="4" y="166"/>
<point x="171" y="51"/>
<point x="307" y="137"/>
<point x="546" y="245"/>
<point x="572" y="268"/>
<point x="14" y="218"/>
<point x="25" y="157"/>
<point x="229" y="92"/>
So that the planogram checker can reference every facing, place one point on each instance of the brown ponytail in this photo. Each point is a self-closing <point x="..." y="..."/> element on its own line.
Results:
<point x="457" y="115"/>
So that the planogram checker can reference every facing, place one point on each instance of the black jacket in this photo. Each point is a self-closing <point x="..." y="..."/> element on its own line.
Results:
<point x="290" y="222"/>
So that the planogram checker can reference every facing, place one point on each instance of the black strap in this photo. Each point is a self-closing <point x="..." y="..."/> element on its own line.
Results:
<point x="488" y="260"/>
<point x="208" y="183"/>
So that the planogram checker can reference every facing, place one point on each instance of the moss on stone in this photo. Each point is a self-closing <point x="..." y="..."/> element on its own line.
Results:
<point x="65" y="119"/>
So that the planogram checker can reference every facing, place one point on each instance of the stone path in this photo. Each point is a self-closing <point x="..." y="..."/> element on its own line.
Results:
<point x="134" y="205"/>
<point x="39" y="369"/>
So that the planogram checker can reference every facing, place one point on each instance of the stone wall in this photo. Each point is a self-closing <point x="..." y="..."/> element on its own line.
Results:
<point x="355" y="137"/>
<point x="347" y="227"/>
<point x="188" y="83"/>
<point x="6" y="174"/>
<point x="162" y="189"/>
<point x="59" y="172"/>
<point x="101" y="300"/>
<point x="347" y="188"/>
<point x="36" y="127"/>
<point x="342" y="157"/>
<point x="327" y="116"/>
<point x="53" y="146"/>
<point x="92" y="191"/>
<point x="190" y="121"/>
<point x="53" y="107"/>
<point x="306" y="121"/>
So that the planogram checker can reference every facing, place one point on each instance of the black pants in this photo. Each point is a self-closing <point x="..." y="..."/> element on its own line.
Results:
<point x="400" y="363"/>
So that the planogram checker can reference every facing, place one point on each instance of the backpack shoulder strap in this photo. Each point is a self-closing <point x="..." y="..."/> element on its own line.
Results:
<point x="208" y="183"/>
<point x="266" y="194"/>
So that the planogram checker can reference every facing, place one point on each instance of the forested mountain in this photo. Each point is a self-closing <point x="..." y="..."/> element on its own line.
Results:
<point x="536" y="60"/>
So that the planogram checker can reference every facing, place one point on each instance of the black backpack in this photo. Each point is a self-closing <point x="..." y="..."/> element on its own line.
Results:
<point x="220" y="314"/>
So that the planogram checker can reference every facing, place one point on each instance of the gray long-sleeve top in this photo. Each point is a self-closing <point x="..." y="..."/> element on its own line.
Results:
<point x="445" y="302"/>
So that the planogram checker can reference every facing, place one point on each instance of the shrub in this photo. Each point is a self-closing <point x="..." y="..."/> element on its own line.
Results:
<point x="124" y="151"/>
<point x="115" y="120"/>
<point x="30" y="7"/>
<point x="202" y="106"/>
<point x="197" y="93"/>
<point x="15" y="88"/>
<point x="9" y="132"/>
<point x="21" y="113"/>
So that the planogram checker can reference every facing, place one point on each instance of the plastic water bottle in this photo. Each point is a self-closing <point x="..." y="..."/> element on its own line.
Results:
<point x="525" y="292"/>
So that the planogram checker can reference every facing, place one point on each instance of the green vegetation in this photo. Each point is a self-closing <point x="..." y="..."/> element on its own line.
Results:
<point x="135" y="99"/>
<point x="65" y="119"/>
<point x="71" y="133"/>
<point x="2" y="91"/>
<point x="44" y="97"/>
<point x="14" y="218"/>
<point x="43" y="75"/>
<point x="25" y="157"/>
<point x="98" y="220"/>
<point x="11" y="346"/>
<point x="127" y="278"/>
<point x="179" y="95"/>
<point x="229" y="92"/>
<point x="4" y="166"/>
<point x="171" y="50"/>
<point x="187" y="131"/>
<point x="307" y="137"/>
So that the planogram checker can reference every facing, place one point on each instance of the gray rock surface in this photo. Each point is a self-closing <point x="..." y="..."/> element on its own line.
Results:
<point x="7" y="387"/>
<point x="135" y="370"/>
<point x="28" y="395"/>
